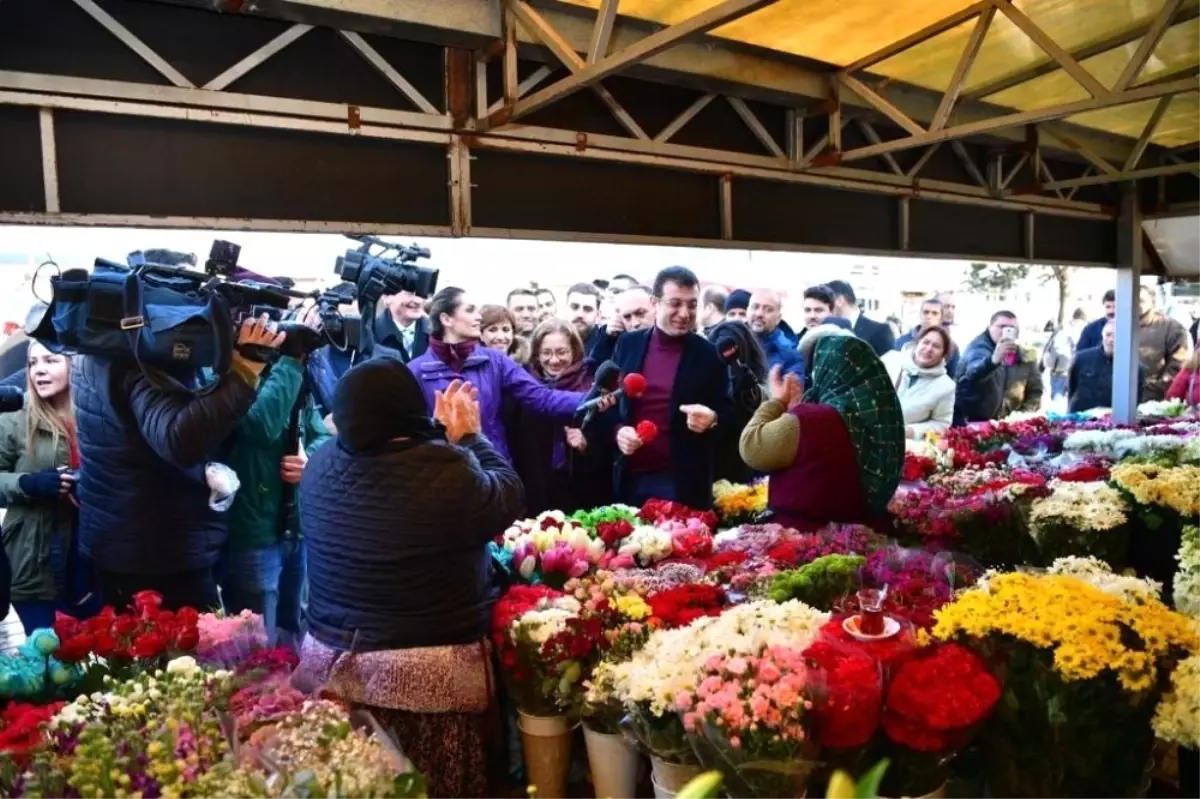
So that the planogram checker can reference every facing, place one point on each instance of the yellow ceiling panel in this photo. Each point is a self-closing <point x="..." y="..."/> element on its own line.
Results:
<point x="835" y="31"/>
<point x="1179" y="49"/>
<point x="1178" y="126"/>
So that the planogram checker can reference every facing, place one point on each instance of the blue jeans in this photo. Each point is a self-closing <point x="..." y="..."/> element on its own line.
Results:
<point x="268" y="581"/>
<point x="1058" y="386"/>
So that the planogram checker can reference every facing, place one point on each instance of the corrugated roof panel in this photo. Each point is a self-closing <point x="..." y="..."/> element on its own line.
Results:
<point x="1177" y="127"/>
<point x="834" y="31"/>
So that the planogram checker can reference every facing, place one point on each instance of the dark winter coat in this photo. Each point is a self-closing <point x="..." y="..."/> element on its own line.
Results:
<point x="1092" y="336"/>
<point x="583" y="480"/>
<point x="406" y="563"/>
<point x="702" y="379"/>
<point x="979" y="394"/>
<point x="1163" y="347"/>
<point x="143" y="498"/>
<point x="1090" y="381"/>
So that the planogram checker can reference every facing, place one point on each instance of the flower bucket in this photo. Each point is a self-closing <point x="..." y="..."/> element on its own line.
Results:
<point x="614" y="764"/>
<point x="659" y="791"/>
<point x="672" y="777"/>
<point x="546" y="742"/>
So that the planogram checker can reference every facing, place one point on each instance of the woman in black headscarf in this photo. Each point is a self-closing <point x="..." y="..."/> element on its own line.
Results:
<point x="397" y="514"/>
<point x="747" y="364"/>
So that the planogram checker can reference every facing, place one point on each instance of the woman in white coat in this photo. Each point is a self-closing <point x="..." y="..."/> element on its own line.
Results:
<point x="926" y="392"/>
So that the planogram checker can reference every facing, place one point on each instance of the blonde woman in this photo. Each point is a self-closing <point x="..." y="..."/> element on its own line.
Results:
<point x="38" y="458"/>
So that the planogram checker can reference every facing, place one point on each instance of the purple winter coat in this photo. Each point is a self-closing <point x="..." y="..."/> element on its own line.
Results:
<point x="496" y="376"/>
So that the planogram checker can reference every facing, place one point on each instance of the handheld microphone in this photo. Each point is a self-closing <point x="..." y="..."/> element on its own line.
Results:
<point x="632" y="385"/>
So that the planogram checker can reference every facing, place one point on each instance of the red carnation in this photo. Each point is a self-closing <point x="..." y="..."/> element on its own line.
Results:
<point x="75" y="648"/>
<point x="611" y="533"/>
<point x="65" y="626"/>
<point x="147" y="602"/>
<point x="124" y="625"/>
<point x="680" y="606"/>
<point x="188" y="617"/>
<point x="104" y="643"/>
<point x="187" y="639"/>
<point x="148" y="645"/>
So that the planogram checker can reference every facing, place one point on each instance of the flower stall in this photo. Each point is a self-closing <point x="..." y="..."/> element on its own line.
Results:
<point x="1026" y="623"/>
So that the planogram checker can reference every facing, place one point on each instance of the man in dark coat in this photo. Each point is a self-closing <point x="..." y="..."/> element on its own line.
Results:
<point x="878" y="334"/>
<point x="687" y="396"/>
<point x="403" y="326"/>
<point x="1093" y="330"/>
<point x="1090" y="381"/>
<point x="979" y="396"/>
<point x="144" y="515"/>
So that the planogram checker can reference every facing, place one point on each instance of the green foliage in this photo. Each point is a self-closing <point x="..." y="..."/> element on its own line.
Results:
<point x="995" y="278"/>
<point x="819" y="584"/>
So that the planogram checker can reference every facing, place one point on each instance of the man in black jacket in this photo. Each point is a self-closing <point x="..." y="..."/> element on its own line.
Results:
<point x="1090" y="381"/>
<point x="1093" y="330"/>
<point x="144" y="515"/>
<point x="981" y="377"/>
<point x="403" y="326"/>
<point x="845" y="304"/>
<point x="687" y="396"/>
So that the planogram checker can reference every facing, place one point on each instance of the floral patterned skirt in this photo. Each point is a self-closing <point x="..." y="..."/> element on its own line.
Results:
<point x="449" y="749"/>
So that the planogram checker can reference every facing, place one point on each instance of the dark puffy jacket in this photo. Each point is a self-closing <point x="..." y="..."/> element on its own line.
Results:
<point x="405" y="564"/>
<point x="1090" y="381"/>
<point x="980" y="391"/>
<point x="1092" y="336"/>
<point x="143" y="499"/>
<point x="780" y="349"/>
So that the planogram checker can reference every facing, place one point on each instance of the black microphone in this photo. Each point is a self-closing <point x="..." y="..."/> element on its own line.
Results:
<point x="608" y="376"/>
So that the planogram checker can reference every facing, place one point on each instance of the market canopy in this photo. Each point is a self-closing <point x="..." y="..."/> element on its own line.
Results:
<point x="994" y="129"/>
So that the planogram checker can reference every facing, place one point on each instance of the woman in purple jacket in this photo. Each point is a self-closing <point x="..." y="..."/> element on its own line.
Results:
<point x="455" y="354"/>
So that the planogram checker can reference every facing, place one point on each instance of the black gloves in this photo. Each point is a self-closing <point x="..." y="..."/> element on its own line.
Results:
<point x="41" y="485"/>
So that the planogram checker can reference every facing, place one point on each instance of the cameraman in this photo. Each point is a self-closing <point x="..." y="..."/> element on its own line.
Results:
<point x="145" y="519"/>
<point x="263" y="568"/>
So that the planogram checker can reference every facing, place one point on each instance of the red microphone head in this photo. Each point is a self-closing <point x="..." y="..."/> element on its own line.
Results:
<point x="646" y="430"/>
<point x="634" y="385"/>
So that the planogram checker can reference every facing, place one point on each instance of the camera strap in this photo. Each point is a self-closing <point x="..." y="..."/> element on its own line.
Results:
<point x="134" y="320"/>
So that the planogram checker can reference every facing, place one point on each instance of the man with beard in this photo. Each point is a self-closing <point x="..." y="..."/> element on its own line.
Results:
<point x="583" y="311"/>
<point x="686" y="397"/>
<point x="774" y="336"/>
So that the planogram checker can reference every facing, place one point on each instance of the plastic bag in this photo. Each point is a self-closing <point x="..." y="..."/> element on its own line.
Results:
<point x="223" y="484"/>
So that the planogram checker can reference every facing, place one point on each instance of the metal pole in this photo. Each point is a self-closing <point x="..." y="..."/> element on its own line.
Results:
<point x="1129" y="275"/>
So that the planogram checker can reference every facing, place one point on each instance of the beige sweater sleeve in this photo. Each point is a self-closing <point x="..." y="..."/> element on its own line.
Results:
<point x="770" y="439"/>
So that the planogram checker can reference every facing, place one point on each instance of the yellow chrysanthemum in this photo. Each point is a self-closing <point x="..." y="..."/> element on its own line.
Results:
<point x="633" y="606"/>
<point x="732" y="501"/>
<point x="1178" y="716"/>
<point x="1080" y="623"/>
<point x="1175" y="487"/>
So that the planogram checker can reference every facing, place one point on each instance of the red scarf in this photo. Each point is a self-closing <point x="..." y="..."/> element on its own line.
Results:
<point x="72" y="442"/>
<point x="453" y="355"/>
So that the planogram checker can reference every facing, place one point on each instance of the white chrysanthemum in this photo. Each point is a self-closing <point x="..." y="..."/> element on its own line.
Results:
<point x="1084" y="506"/>
<point x="1097" y="574"/>
<point x="542" y="625"/>
<point x="1102" y="441"/>
<point x="1149" y="446"/>
<point x="672" y="660"/>
<point x="648" y="544"/>
<point x="181" y="665"/>
<point x="1187" y="579"/>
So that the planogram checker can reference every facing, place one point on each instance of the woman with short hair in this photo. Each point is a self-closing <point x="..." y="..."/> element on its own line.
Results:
<point x="498" y="330"/>
<point x="925" y="390"/>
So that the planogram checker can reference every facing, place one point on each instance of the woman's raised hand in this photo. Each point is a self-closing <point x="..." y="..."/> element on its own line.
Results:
<point x="457" y="408"/>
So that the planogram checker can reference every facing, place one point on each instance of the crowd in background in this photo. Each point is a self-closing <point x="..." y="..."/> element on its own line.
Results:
<point x="368" y="491"/>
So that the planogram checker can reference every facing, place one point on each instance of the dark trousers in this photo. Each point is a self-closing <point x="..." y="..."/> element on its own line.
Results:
<point x="196" y="589"/>
<point x="268" y="581"/>
<point x="636" y="488"/>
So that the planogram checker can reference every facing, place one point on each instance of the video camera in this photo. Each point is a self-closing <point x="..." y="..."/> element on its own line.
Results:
<point x="369" y="275"/>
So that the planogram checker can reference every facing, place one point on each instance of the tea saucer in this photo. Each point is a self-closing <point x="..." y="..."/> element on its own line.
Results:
<point x="890" y="628"/>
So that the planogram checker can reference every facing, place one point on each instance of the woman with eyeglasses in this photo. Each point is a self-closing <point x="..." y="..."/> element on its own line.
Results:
<point x="562" y="469"/>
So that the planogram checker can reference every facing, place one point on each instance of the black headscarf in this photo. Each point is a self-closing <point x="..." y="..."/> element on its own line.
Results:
<point x="380" y="400"/>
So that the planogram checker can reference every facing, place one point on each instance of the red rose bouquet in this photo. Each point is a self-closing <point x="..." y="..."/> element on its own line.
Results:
<point x="662" y="510"/>
<point x="21" y="729"/>
<point x="934" y="702"/>
<point x="123" y="644"/>
<point x="679" y="607"/>
<point x="849" y="699"/>
<point x="917" y="467"/>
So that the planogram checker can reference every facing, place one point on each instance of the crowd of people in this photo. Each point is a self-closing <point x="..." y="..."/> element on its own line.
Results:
<point x="369" y="491"/>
